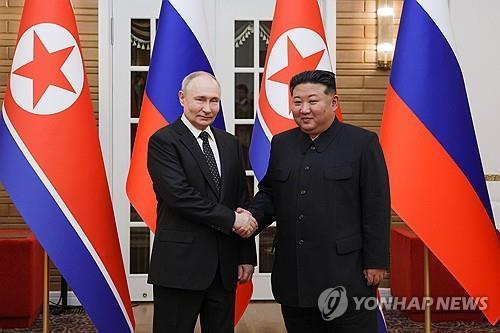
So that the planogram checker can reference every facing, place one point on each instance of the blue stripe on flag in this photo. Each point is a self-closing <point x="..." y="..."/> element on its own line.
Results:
<point x="176" y="53"/>
<point x="260" y="149"/>
<point x="427" y="76"/>
<point x="381" y="326"/>
<point x="59" y="239"/>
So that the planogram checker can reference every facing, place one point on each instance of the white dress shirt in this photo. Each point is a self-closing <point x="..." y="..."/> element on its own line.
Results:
<point x="211" y="139"/>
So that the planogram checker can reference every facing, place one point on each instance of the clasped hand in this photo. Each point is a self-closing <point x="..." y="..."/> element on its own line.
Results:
<point x="244" y="223"/>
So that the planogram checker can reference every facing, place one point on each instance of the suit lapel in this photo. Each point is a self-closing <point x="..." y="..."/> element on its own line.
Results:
<point x="192" y="145"/>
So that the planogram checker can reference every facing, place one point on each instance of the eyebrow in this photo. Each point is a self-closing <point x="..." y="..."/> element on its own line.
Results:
<point x="206" y="96"/>
<point x="312" y="95"/>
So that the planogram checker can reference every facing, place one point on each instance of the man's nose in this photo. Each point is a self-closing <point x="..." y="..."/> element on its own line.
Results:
<point x="206" y="107"/>
<point x="305" y="108"/>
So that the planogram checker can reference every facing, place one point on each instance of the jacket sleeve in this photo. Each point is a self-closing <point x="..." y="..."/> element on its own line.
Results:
<point x="262" y="207"/>
<point x="247" y="251"/>
<point x="171" y="185"/>
<point x="375" y="205"/>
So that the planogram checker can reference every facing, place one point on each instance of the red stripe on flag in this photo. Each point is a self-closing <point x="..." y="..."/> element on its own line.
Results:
<point x="139" y="185"/>
<point x="243" y="295"/>
<point x="432" y="195"/>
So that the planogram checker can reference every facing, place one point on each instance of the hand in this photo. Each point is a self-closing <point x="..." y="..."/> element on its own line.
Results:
<point x="245" y="273"/>
<point x="374" y="276"/>
<point x="244" y="224"/>
<point x="242" y="210"/>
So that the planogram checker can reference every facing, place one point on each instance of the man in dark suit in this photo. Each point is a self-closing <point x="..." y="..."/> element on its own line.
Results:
<point x="199" y="251"/>
<point x="327" y="188"/>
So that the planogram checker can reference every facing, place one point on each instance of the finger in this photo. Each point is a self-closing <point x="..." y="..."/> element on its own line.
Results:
<point x="244" y="211"/>
<point x="240" y="272"/>
<point x="249" y="271"/>
<point x="369" y="279"/>
<point x="239" y="210"/>
<point x="244" y="277"/>
<point x="241" y="232"/>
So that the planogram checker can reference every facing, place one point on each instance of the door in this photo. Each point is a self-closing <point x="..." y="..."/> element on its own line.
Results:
<point x="133" y="33"/>
<point x="242" y="36"/>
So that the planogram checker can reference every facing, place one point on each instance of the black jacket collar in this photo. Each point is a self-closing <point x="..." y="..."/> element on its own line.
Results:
<point x="322" y="141"/>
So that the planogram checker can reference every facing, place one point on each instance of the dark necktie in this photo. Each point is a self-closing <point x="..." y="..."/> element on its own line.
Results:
<point x="209" y="155"/>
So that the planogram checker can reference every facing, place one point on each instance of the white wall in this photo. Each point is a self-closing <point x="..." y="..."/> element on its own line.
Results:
<point x="476" y="26"/>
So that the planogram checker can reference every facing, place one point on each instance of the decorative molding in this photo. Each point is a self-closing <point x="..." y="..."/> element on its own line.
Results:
<point x="140" y="43"/>
<point x="492" y="178"/>
<point x="243" y="34"/>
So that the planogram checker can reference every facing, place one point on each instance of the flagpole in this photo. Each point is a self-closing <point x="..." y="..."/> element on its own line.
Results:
<point x="427" y="291"/>
<point x="46" y="275"/>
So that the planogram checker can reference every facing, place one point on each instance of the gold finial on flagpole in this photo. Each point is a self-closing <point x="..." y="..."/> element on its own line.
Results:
<point x="427" y="291"/>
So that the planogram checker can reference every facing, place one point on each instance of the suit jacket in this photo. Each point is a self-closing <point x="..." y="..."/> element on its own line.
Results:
<point x="330" y="200"/>
<point x="194" y="234"/>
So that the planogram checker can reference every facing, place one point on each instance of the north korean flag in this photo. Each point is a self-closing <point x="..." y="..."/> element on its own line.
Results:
<point x="297" y="43"/>
<point x="52" y="166"/>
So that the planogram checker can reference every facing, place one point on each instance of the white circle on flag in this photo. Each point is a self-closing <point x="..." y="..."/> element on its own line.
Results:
<point x="54" y="38"/>
<point x="307" y="42"/>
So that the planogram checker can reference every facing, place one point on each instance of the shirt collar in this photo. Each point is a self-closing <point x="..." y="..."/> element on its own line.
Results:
<point x="322" y="141"/>
<point x="195" y="131"/>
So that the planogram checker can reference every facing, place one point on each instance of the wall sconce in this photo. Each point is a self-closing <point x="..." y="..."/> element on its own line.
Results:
<point x="385" y="43"/>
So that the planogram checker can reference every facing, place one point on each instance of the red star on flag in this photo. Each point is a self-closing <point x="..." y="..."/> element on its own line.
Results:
<point x="45" y="69"/>
<point x="296" y="64"/>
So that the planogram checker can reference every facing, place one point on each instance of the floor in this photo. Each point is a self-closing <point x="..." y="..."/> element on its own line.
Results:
<point x="261" y="317"/>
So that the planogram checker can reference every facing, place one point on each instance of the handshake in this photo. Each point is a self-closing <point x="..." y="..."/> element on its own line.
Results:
<point x="244" y="223"/>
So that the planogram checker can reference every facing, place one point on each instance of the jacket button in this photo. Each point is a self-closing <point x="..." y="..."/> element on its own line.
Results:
<point x="301" y="242"/>
<point x="302" y="192"/>
<point x="301" y="216"/>
<point x="307" y="168"/>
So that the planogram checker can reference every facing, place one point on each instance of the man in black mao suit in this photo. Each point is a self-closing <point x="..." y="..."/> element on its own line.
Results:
<point x="327" y="188"/>
<point x="199" y="251"/>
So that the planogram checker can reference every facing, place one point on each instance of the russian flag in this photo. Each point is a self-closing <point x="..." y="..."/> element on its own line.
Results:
<point x="182" y="46"/>
<point x="428" y="137"/>
<point x="52" y="166"/>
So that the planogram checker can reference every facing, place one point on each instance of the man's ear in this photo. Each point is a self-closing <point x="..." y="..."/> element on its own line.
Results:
<point x="335" y="102"/>
<point x="181" y="97"/>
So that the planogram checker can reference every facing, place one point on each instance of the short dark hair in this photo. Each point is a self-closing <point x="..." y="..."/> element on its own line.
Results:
<point x="325" y="78"/>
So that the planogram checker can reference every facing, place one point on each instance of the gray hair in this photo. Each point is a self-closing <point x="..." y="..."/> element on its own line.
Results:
<point x="194" y="75"/>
